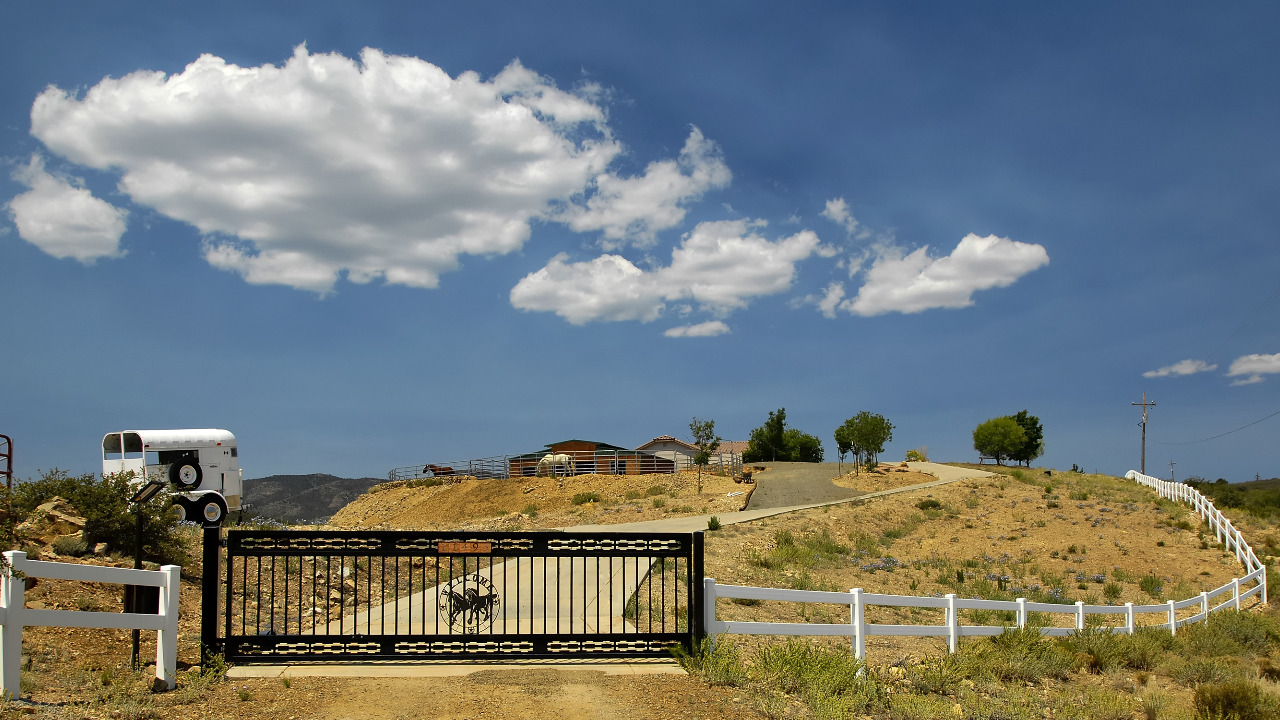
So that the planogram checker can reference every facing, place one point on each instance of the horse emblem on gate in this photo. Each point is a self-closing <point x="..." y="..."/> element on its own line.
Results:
<point x="469" y="604"/>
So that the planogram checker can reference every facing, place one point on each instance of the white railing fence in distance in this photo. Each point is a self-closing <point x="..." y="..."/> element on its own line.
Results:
<point x="14" y="615"/>
<point x="858" y="629"/>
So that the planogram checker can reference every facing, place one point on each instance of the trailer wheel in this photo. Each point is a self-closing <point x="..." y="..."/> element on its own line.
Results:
<point x="212" y="509"/>
<point x="185" y="474"/>
<point x="181" y="509"/>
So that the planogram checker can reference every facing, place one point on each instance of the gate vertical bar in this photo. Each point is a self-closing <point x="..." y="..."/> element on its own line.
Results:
<point x="697" y="628"/>
<point x="212" y="567"/>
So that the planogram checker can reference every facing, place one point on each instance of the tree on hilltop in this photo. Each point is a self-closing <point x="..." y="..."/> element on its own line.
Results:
<point x="864" y="435"/>
<point x="999" y="438"/>
<point x="703" y="433"/>
<point x="1033" y="438"/>
<point x="774" y="441"/>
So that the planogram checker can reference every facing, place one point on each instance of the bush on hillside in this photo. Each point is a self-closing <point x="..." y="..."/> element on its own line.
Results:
<point x="104" y="504"/>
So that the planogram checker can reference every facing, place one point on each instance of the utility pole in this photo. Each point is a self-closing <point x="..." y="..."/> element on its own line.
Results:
<point x="1143" y="467"/>
<point x="1171" y="476"/>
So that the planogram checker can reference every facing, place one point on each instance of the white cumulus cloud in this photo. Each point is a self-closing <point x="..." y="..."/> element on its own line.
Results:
<point x="1251" y="368"/>
<point x="385" y="167"/>
<point x="719" y="266"/>
<point x="918" y="282"/>
<point x="710" y="328"/>
<point x="64" y="220"/>
<point x="837" y="211"/>
<point x="634" y="209"/>
<point x="1184" y="367"/>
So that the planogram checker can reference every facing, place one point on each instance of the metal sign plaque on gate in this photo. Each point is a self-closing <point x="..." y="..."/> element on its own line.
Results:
<point x="464" y="547"/>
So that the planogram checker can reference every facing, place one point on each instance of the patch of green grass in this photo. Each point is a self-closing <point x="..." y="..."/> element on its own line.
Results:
<point x="655" y="490"/>
<point x="583" y="498"/>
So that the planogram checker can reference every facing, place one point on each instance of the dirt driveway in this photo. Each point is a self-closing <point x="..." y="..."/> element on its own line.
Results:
<point x="786" y="484"/>
<point x="494" y="694"/>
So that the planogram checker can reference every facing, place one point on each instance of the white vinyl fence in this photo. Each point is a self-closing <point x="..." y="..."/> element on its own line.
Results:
<point x="858" y="629"/>
<point x="14" y="615"/>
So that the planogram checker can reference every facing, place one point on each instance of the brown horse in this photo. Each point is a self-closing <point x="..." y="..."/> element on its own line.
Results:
<point x="439" y="470"/>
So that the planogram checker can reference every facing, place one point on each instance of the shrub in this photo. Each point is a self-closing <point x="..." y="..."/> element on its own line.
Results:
<point x="1097" y="650"/>
<point x="717" y="663"/>
<point x="72" y="545"/>
<point x="1151" y="585"/>
<point x="1233" y="700"/>
<point x="713" y="523"/>
<point x="655" y="490"/>
<point x="1016" y="655"/>
<point x="531" y="510"/>
<point x="583" y="498"/>
<point x="928" y="504"/>
<point x="659" y="502"/>
<point x="1112" y="591"/>
<point x="104" y="504"/>
<point x="633" y="495"/>
<point x="831" y="682"/>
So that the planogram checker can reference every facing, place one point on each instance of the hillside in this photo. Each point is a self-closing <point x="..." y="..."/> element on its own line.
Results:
<point x="303" y="499"/>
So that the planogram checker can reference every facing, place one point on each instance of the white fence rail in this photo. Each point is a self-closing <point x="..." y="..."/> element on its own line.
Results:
<point x="14" y="614"/>
<point x="858" y="629"/>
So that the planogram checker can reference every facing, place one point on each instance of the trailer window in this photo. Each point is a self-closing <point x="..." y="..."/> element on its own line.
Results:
<point x="132" y="446"/>
<point x="111" y="449"/>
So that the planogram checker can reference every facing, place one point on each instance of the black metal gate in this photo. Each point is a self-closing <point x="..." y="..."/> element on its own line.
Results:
<point x="391" y="595"/>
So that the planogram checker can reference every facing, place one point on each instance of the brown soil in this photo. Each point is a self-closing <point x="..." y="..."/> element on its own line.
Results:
<point x="541" y="502"/>
<point x="984" y="528"/>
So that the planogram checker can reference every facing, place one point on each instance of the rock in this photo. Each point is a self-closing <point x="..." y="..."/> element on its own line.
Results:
<point x="100" y="549"/>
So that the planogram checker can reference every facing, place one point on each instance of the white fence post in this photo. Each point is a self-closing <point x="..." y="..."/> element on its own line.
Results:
<point x="1128" y="617"/>
<point x="1173" y="619"/>
<point x="1235" y="592"/>
<point x="858" y="619"/>
<point x="12" y="597"/>
<point x="709" y="607"/>
<point x="1204" y="606"/>
<point x="1022" y="613"/>
<point x="953" y="624"/>
<point x="167" y="638"/>
<point x="1079" y="615"/>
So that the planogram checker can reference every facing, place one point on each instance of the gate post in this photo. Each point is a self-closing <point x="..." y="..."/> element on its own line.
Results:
<point x="697" y="625"/>
<point x="209" y="586"/>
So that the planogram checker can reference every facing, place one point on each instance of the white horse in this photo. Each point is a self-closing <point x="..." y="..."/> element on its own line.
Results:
<point x="550" y="462"/>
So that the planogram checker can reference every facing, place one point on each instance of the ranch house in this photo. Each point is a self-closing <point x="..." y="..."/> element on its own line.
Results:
<point x="588" y="456"/>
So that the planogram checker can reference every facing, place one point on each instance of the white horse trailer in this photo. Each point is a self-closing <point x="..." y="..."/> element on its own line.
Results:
<point x="202" y="466"/>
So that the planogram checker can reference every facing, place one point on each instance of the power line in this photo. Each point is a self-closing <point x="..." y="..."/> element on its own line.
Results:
<point x="1215" y="437"/>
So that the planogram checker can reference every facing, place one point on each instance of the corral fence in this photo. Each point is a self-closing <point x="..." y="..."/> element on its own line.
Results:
<point x="569" y="462"/>
<point x="409" y="596"/>
<point x="1172" y="615"/>
<point x="14" y="615"/>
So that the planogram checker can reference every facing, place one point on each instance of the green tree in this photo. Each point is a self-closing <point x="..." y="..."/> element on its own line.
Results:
<point x="999" y="438"/>
<point x="844" y="441"/>
<point x="864" y="435"/>
<point x="703" y="434"/>
<point x="802" y="447"/>
<point x="104" y="504"/>
<point x="768" y="441"/>
<point x="1033" y="438"/>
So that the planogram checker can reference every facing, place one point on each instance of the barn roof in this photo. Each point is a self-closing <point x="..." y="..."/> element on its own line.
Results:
<point x="599" y="445"/>
<point x="667" y="439"/>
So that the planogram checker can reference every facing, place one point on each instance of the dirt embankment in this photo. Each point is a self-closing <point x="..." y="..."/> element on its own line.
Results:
<point x="541" y="502"/>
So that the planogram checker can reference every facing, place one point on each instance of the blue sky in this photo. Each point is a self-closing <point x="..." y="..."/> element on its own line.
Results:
<point x="364" y="236"/>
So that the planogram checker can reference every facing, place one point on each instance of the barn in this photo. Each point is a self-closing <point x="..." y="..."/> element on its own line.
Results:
<point x="589" y="456"/>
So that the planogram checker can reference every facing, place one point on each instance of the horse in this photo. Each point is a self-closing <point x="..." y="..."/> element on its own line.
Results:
<point x="439" y="470"/>
<point x="550" y="462"/>
<point x="473" y="607"/>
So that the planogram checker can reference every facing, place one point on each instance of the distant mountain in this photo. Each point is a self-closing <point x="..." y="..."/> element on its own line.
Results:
<point x="303" y="498"/>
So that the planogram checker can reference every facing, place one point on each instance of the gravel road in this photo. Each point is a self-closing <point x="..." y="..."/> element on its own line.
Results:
<point x="786" y="484"/>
